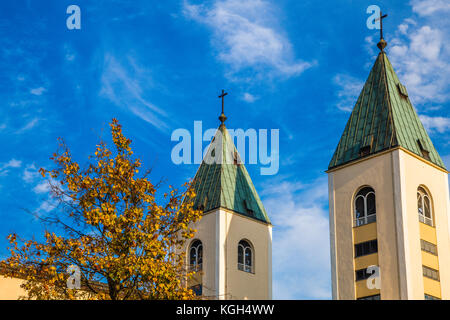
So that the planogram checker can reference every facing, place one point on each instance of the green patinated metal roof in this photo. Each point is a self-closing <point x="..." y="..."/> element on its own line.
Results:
<point x="383" y="118"/>
<point x="223" y="182"/>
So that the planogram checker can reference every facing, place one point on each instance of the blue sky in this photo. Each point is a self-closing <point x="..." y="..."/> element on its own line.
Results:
<point x="297" y="66"/>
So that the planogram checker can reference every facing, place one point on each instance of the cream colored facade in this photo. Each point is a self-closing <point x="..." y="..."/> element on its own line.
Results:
<point x="220" y="231"/>
<point x="395" y="176"/>
<point x="10" y="288"/>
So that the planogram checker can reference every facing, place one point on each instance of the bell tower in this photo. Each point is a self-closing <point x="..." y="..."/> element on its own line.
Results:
<point x="232" y="248"/>
<point x="388" y="199"/>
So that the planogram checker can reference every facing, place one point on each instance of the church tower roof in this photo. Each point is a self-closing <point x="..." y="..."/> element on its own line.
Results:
<point x="383" y="118"/>
<point x="222" y="181"/>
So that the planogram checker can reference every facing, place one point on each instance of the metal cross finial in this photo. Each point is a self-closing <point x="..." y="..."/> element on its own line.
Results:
<point x="222" y="117"/>
<point x="382" y="44"/>
<point x="381" y="23"/>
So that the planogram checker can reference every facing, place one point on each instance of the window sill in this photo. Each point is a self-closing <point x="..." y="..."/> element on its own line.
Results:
<point x="365" y="255"/>
<point x="437" y="280"/>
<point x="431" y="253"/>
<point x="432" y="226"/>
<point x="249" y="272"/>
<point x="362" y="225"/>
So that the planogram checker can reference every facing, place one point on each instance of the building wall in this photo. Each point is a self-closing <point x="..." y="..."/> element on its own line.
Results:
<point x="418" y="173"/>
<point x="395" y="176"/>
<point x="206" y="233"/>
<point x="376" y="172"/>
<point x="240" y="284"/>
<point x="220" y="232"/>
<point x="10" y="288"/>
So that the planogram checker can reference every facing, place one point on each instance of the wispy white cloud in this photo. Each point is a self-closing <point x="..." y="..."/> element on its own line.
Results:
<point x="245" y="36"/>
<point x="28" y="126"/>
<point x="46" y="206"/>
<point x="348" y="91"/>
<point x="248" y="97"/>
<point x="49" y="202"/>
<point x="30" y="173"/>
<point x="420" y="53"/>
<point x="38" y="91"/>
<point x="13" y="163"/>
<point x="439" y="124"/>
<point x="281" y="186"/>
<point x="370" y="46"/>
<point x="301" y="256"/>
<point x="123" y="85"/>
<point x="429" y="7"/>
<point x="42" y="187"/>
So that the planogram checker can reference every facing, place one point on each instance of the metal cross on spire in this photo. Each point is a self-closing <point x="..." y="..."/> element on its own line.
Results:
<point x="222" y="117"/>
<point x="382" y="44"/>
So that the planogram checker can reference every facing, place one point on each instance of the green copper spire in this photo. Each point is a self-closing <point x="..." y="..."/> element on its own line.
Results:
<point x="383" y="118"/>
<point x="222" y="181"/>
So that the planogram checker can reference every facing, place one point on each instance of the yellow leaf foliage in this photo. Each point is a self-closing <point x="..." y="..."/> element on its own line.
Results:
<point x="110" y="225"/>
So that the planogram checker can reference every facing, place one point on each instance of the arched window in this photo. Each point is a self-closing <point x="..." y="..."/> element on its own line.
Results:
<point x="365" y="208"/>
<point x="424" y="207"/>
<point x="245" y="256"/>
<point x="196" y="255"/>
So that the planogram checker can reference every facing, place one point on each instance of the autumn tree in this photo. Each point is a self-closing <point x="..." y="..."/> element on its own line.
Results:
<point x="109" y="227"/>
